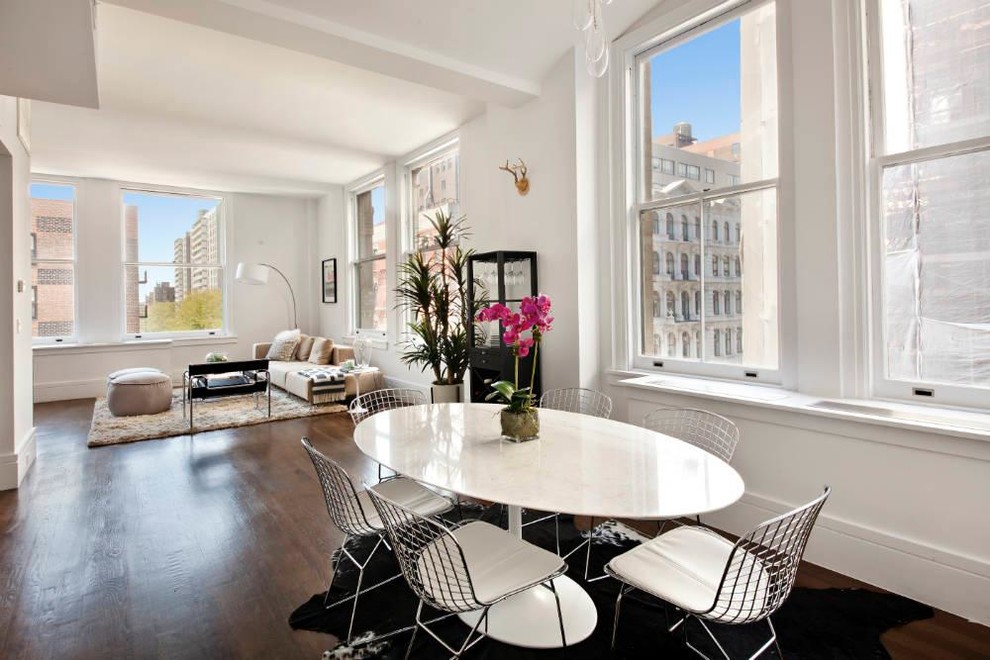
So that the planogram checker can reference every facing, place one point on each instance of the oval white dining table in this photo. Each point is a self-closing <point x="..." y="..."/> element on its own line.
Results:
<point x="580" y="464"/>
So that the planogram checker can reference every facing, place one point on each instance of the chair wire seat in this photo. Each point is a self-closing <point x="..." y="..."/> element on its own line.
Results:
<point x="353" y="513"/>
<point x="709" y="578"/>
<point x="469" y="568"/>
<point x="370" y="403"/>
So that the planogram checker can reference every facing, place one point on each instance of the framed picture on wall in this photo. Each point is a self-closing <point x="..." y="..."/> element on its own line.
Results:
<point x="329" y="280"/>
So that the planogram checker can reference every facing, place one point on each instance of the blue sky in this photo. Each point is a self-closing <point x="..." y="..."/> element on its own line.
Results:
<point x="698" y="82"/>
<point x="53" y="191"/>
<point x="164" y="218"/>
<point x="378" y="204"/>
<point x="161" y="218"/>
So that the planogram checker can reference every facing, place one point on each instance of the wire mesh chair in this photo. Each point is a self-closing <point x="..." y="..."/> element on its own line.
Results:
<point x="579" y="400"/>
<point x="749" y="585"/>
<point x="370" y="403"/>
<point x="352" y="513"/>
<point x="586" y="402"/>
<point x="706" y="430"/>
<point x="438" y="568"/>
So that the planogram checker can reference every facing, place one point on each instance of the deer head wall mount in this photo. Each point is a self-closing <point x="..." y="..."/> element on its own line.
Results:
<point x="518" y="173"/>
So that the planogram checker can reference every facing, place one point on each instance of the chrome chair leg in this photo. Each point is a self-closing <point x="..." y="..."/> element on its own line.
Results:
<point x="465" y="646"/>
<point x="587" y="554"/>
<point x="358" y="591"/>
<point x="770" y="642"/>
<point x="412" y="639"/>
<point x="618" y="608"/>
<point x="586" y="544"/>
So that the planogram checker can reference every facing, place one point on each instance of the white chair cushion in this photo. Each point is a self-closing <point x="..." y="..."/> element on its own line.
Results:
<point x="684" y="567"/>
<point x="497" y="562"/>
<point x="406" y="493"/>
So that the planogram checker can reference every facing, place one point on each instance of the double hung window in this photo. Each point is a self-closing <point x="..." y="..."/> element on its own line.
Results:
<point x="53" y="261"/>
<point x="173" y="264"/>
<point x="370" y="264"/>
<point x="725" y="176"/>
<point x="434" y="185"/>
<point x="930" y="169"/>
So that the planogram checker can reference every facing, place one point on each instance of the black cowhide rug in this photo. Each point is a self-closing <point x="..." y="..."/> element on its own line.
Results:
<point x="813" y="623"/>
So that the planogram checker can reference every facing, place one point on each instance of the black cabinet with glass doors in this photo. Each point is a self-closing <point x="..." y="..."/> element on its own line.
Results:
<point x="506" y="277"/>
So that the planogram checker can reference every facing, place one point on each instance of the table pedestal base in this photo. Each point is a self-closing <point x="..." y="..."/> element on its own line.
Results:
<point x="529" y="619"/>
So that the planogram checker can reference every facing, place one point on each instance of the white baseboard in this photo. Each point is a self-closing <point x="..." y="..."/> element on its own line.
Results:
<point x="69" y="389"/>
<point x="407" y="384"/>
<point x="14" y="467"/>
<point x="939" y="577"/>
<point x="80" y="389"/>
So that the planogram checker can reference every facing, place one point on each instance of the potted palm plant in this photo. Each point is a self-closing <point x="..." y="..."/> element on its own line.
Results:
<point x="433" y="291"/>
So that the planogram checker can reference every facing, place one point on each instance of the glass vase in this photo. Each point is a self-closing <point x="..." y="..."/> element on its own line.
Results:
<point x="520" y="426"/>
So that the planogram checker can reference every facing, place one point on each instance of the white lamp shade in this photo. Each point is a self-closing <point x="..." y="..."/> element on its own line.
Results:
<point x="252" y="273"/>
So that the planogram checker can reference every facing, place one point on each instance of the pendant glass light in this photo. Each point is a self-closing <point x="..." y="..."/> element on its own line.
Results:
<point x="587" y="17"/>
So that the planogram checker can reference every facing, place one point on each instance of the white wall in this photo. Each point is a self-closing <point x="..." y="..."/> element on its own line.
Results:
<point x="553" y="219"/>
<point x="260" y="228"/>
<point x="17" y="449"/>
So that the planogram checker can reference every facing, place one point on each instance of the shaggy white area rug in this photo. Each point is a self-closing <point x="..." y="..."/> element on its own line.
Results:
<point x="221" y="413"/>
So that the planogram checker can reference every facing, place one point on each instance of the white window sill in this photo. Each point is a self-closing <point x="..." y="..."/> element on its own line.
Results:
<point x="943" y="421"/>
<point x="131" y="345"/>
<point x="377" y="342"/>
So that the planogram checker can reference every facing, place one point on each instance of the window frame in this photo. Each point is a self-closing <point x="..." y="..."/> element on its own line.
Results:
<point x="356" y="261"/>
<point x="222" y="216"/>
<point x="425" y="155"/>
<point x="74" y="336"/>
<point x="877" y="159"/>
<point x="677" y="28"/>
<point x="409" y="220"/>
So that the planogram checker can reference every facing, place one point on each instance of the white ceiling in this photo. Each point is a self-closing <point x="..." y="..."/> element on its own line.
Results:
<point x="185" y="105"/>
<point x="518" y="38"/>
<point x="290" y="96"/>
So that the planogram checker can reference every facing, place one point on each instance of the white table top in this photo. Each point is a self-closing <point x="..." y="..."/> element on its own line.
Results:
<point x="580" y="464"/>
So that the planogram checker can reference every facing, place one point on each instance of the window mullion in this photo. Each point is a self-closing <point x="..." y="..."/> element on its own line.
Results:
<point x="936" y="152"/>
<point x="705" y="196"/>
<point x="703" y="350"/>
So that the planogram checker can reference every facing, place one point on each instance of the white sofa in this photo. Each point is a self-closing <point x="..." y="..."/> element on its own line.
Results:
<point x="285" y="374"/>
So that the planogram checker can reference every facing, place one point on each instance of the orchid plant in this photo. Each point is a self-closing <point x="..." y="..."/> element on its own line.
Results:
<point x="533" y="317"/>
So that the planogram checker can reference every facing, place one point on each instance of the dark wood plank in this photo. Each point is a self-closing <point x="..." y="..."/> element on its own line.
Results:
<point x="201" y="547"/>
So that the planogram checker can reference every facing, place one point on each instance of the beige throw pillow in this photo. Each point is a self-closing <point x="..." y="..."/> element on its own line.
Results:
<point x="284" y="346"/>
<point x="304" y="348"/>
<point x="322" y="349"/>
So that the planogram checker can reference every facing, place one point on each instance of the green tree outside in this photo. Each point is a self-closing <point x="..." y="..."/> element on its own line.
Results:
<point x="199" y="310"/>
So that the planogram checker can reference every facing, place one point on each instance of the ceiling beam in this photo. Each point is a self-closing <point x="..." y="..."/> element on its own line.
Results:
<point x="48" y="51"/>
<point x="265" y="22"/>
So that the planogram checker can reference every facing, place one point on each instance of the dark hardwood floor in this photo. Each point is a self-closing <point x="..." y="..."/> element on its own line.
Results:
<point x="201" y="547"/>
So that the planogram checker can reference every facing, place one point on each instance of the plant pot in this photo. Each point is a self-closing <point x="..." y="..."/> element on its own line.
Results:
<point x="520" y="426"/>
<point x="446" y="393"/>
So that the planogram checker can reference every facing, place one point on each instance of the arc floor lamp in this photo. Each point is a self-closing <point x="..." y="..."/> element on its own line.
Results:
<point x="257" y="274"/>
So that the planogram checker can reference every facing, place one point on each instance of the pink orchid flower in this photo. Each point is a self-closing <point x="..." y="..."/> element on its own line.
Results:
<point x="533" y="317"/>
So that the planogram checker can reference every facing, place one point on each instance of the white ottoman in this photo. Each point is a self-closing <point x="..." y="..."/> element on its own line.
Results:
<point x="141" y="391"/>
